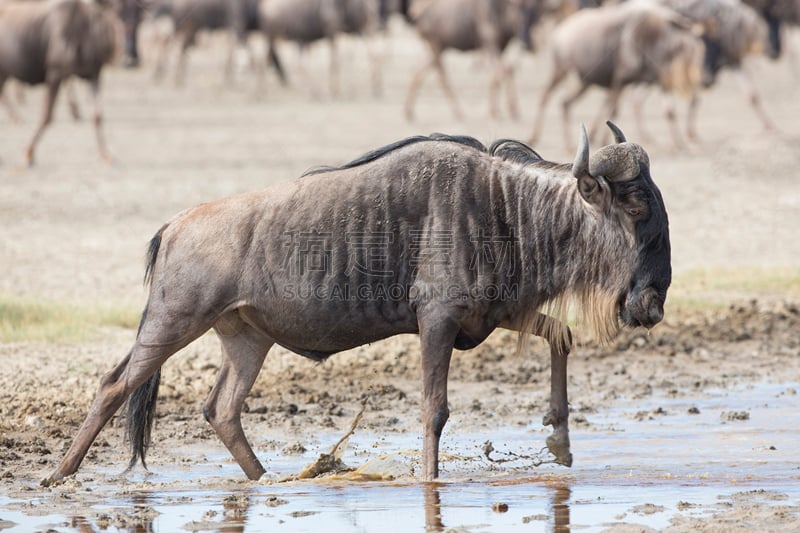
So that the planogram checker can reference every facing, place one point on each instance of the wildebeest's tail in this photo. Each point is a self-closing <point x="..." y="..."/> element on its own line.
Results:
<point x="141" y="408"/>
<point x="139" y="420"/>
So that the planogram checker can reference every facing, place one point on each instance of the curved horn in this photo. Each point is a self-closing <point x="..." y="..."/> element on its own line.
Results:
<point x="615" y="162"/>
<point x="619" y="137"/>
<point x="581" y="165"/>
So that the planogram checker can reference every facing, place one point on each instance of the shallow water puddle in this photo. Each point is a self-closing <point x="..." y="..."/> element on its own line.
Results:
<point x="641" y="462"/>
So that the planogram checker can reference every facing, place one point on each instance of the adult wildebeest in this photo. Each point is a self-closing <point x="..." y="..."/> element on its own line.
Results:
<point x="307" y="21"/>
<point x="49" y="42"/>
<point x="465" y="25"/>
<point x="734" y="32"/>
<point x="620" y="45"/>
<point x="431" y="235"/>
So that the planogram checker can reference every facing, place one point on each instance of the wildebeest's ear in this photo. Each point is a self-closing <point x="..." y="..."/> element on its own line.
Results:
<point x="595" y="191"/>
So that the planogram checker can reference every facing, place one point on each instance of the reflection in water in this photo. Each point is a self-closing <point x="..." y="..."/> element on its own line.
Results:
<point x="137" y="519"/>
<point x="433" y="508"/>
<point x="235" y="514"/>
<point x="559" y="508"/>
<point x="139" y="516"/>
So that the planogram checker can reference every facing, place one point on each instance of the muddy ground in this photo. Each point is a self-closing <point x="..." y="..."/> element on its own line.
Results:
<point x="73" y="229"/>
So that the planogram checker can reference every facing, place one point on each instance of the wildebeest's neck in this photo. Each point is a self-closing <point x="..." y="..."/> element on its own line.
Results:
<point x="566" y="249"/>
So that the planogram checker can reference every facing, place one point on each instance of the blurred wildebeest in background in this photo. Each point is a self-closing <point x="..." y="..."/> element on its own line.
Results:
<point x="190" y="17"/>
<point x="620" y="45"/>
<point x="130" y="12"/>
<point x="487" y="25"/>
<point x="594" y="233"/>
<point x="734" y="31"/>
<point x="777" y="14"/>
<point x="307" y="21"/>
<point x="49" y="42"/>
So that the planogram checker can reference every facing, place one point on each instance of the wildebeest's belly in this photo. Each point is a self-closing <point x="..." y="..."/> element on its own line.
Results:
<point x="319" y="329"/>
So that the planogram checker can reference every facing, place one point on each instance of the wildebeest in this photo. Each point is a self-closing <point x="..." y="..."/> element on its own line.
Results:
<point x="620" y="45"/>
<point x="190" y="17"/>
<point x="777" y="14"/>
<point x="436" y="235"/>
<point x="308" y="21"/>
<point x="735" y="31"/>
<point x="49" y="42"/>
<point x="470" y="25"/>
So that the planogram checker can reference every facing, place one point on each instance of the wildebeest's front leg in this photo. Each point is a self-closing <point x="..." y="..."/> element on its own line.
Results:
<point x="437" y="332"/>
<point x="560" y="339"/>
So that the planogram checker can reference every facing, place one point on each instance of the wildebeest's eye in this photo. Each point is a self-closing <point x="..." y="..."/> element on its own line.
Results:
<point x="634" y="206"/>
<point x="635" y="211"/>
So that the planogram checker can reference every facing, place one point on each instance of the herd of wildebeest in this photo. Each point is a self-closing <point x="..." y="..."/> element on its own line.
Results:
<point x="678" y="46"/>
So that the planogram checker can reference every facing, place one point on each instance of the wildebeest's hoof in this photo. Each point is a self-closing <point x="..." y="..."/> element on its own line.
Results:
<point x="558" y="444"/>
<point x="51" y="481"/>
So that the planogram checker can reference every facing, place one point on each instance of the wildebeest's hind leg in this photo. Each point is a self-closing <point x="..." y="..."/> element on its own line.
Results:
<point x="243" y="352"/>
<point x="437" y="333"/>
<point x="139" y="366"/>
<point x="559" y="338"/>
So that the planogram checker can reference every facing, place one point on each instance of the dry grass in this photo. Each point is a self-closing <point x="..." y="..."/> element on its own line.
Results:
<point x="26" y="319"/>
<point x="718" y="288"/>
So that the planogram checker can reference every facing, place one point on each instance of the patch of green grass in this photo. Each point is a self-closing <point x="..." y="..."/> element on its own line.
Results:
<point x="705" y="289"/>
<point x="27" y="319"/>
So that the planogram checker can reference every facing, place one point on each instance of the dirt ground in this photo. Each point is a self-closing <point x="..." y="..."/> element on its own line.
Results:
<point x="73" y="229"/>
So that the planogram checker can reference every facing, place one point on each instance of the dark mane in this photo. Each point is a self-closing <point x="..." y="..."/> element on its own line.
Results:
<point x="521" y="153"/>
<point x="514" y="151"/>
<point x="380" y="152"/>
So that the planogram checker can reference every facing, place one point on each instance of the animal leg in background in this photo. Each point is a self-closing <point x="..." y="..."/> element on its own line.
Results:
<point x="436" y="63"/>
<point x="753" y="97"/>
<point x="566" y="105"/>
<point x="334" y="66"/>
<point x="102" y="148"/>
<point x="72" y="99"/>
<point x="437" y="333"/>
<point x="47" y="116"/>
<point x="502" y="75"/>
<point x="638" y="96"/>
<point x="608" y="112"/>
<point x="12" y="113"/>
<point x="243" y="352"/>
<point x="187" y="39"/>
<point x="558" y="76"/>
<point x="161" y="61"/>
